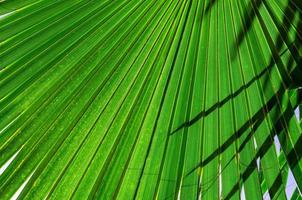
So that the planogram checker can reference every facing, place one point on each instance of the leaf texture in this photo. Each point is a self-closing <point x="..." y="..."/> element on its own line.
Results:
<point x="137" y="99"/>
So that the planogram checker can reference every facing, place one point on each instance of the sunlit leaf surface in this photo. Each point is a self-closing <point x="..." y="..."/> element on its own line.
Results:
<point x="150" y="99"/>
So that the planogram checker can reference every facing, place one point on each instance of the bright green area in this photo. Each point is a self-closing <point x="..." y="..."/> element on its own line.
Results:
<point x="138" y="99"/>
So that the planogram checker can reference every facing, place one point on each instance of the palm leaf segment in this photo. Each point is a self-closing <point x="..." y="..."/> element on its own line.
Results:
<point x="150" y="99"/>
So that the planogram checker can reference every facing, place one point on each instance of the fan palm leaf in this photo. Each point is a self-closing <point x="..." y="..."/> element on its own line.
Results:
<point x="136" y="99"/>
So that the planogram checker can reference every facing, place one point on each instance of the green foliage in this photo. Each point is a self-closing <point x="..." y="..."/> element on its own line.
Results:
<point x="137" y="99"/>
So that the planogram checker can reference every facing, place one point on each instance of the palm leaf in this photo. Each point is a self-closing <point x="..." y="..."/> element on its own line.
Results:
<point x="150" y="99"/>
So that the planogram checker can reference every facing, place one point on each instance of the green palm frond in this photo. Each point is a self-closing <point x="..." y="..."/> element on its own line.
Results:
<point x="138" y="99"/>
